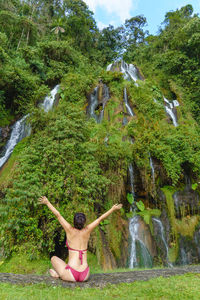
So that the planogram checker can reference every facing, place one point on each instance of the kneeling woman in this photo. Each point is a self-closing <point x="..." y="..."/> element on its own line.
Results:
<point x="77" y="241"/>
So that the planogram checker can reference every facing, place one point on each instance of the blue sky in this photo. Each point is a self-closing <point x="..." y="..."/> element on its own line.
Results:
<point x="115" y="12"/>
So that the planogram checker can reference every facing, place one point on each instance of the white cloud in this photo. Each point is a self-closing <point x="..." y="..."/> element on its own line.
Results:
<point x="122" y="8"/>
<point x="101" y="25"/>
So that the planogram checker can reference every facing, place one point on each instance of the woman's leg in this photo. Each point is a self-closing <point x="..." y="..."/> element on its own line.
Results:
<point x="53" y="273"/>
<point x="59" y="266"/>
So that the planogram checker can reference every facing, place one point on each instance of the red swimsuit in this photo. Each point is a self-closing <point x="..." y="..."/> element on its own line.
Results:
<point x="78" y="276"/>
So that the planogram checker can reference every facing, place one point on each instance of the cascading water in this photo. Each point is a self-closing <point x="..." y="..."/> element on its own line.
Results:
<point x="139" y="254"/>
<point x="131" y="174"/>
<point x="169" y="108"/>
<point x="106" y="97"/>
<point x="129" y="70"/>
<point x="94" y="103"/>
<point x="161" y="234"/>
<point x="49" y="99"/>
<point x="176" y="203"/>
<point x="128" y="108"/>
<point x="133" y="229"/>
<point x="183" y="257"/>
<point x="152" y="168"/>
<point x="21" y="129"/>
<point x="109" y="67"/>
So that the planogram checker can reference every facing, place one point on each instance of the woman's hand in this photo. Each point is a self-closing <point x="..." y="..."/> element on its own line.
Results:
<point x="43" y="200"/>
<point x="117" y="207"/>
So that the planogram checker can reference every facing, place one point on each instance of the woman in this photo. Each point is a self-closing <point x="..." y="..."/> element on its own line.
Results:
<point x="77" y="241"/>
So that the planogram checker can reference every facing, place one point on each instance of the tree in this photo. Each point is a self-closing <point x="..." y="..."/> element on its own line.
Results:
<point x="58" y="29"/>
<point x="133" y="30"/>
<point x="81" y="25"/>
<point x="110" y="43"/>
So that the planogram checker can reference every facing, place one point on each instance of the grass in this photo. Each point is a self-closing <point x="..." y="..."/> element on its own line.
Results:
<point x="20" y="264"/>
<point x="176" y="287"/>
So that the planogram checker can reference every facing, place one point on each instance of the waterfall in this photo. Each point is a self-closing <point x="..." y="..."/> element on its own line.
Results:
<point x="139" y="254"/>
<point x="133" y="229"/>
<point x="176" y="203"/>
<point x="21" y="129"/>
<point x="152" y="167"/>
<point x="129" y="110"/>
<point x="131" y="175"/>
<point x="183" y="257"/>
<point x="169" y="110"/>
<point x="162" y="236"/>
<point x="49" y="99"/>
<point x="106" y="96"/>
<point x="129" y="70"/>
<point x="145" y="259"/>
<point x="94" y="103"/>
<point x="109" y="67"/>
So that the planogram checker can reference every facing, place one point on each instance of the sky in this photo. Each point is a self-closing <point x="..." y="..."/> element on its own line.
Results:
<point x="115" y="12"/>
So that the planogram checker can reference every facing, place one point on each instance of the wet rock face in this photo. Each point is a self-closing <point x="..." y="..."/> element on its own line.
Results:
<point x="145" y="236"/>
<point x="160" y="240"/>
<point x="188" y="251"/>
<point x="97" y="101"/>
<point x="186" y="203"/>
<point x="197" y="240"/>
<point x="108" y="260"/>
<point x="122" y="262"/>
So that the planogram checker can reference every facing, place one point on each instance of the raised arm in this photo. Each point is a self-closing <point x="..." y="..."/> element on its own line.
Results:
<point x="94" y="224"/>
<point x="63" y="222"/>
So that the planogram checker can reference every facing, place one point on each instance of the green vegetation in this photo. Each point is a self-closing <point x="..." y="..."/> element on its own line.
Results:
<point x="20" y="263"/>
<point x="176" y="287"/>
<point x="171" y="58"/>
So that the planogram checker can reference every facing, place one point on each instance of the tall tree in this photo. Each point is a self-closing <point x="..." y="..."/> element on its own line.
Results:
<point x="110" y="43"/>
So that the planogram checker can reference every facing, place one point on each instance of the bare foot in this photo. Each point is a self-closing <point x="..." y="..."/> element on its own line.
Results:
<point x="53" y="273"/>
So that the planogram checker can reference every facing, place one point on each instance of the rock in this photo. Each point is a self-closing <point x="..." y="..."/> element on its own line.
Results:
<point x="186" y="203"/>
<point x="144" y="234"/>
<point x="108" y="260"/>
<point x="188" y="251"/>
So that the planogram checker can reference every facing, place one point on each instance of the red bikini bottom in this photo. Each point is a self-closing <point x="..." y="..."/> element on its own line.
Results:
<point x="78" y="276"/>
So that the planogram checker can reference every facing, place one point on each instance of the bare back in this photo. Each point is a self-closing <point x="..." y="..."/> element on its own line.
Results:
<point x="78" y="240"/>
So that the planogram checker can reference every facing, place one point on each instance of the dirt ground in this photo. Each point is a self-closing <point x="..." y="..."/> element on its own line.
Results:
<point x="99" y="280"/>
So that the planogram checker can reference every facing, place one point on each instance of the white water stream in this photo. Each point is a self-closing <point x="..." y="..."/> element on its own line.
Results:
<point x="169" y="106"/>
<point x="93" y="103"/>
<point x="21" y="129"/>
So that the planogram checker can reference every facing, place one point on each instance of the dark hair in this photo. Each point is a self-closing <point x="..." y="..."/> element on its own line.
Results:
<point x="79" y="220"/>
